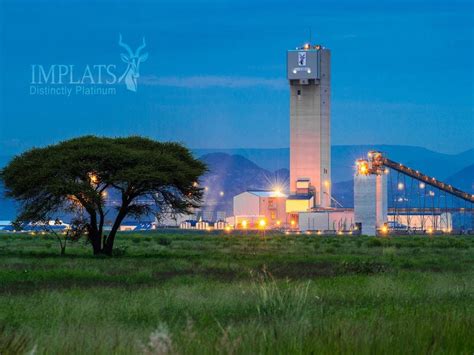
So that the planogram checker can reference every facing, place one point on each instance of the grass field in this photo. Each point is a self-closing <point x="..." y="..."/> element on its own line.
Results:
<point x="206" y="293"/>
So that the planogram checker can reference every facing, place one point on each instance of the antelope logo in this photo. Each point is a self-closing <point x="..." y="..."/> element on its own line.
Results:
<point x="133" y="60"/>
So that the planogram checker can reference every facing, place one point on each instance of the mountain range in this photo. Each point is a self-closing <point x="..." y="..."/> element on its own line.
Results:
<point x="432" y="163"/>
<point x="232" y="171"/>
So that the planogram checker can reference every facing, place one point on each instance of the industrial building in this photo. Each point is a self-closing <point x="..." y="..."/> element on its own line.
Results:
<point x="308" y="205"/>
<point x="370" y="197"/>
<point x="253" y="206"/>
<point x="309" y="78"/>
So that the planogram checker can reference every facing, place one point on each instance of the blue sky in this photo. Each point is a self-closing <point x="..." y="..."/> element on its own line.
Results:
<point x="402" y="71"/>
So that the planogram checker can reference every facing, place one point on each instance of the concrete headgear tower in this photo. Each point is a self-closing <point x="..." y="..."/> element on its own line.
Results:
<point x="308" y="72"/>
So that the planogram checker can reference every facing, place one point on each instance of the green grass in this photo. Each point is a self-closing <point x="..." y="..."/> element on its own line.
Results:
<point x="193" y="293"/>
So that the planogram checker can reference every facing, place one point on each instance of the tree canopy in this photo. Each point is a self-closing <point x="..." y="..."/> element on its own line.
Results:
<point x="74" y="176"/>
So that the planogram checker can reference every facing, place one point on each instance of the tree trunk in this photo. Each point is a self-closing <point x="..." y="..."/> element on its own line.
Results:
<point x="94" y="238"/>
<point x="63" y="250"/>
<point x="109" y="244"/>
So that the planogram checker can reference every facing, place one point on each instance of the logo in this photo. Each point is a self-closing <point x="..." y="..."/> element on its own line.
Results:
<point x="90" y="79"/>
<point x="133" y="60"/>
<point x="302" y="59"/>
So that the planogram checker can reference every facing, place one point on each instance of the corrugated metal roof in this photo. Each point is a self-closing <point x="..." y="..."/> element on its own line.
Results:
<point x="266" y="193"/>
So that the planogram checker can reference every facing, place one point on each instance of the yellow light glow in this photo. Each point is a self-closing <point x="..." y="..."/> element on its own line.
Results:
<point x="262" y="223"/>
<point x="430" y="230"/>
<point x="384" y="229"/>
<point x="278" y="223"/>
<point x="244" y="224"/>
<point x="401" y="186"/>
<point x="292" y="222"/>
<point x="327" y="183"/>
<point x="362" y="167"/>
<point x="93" y="178"/>
<point x="297" y="205"/>
<point x="227" y="229"/>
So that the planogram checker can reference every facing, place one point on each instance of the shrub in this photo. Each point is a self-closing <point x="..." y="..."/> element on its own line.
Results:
<point x="374" y="242"/>
<point x="361" y="267"/>
<point x="164" y="241"/>
<point x="119" y="251"/>
<point x="280" y="299"/>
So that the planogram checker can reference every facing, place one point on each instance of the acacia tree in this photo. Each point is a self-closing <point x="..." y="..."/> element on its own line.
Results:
<point x="144" y="176"/>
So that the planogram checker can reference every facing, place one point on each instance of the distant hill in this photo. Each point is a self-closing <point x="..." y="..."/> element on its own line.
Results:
<point x="233" y="174"/>
<point x="463" y="179"/>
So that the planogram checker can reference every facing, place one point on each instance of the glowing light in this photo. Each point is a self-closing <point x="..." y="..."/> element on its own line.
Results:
<point x="431" y="193"/>
<point x="422" y="185"/>
<point x="104" y="194"/>
<point x="327" y="183"/>
<point x="384" y="229"/>
<point x="278" y="223"/>
<point x="401" y="186"/>
<point x="430" y="230"/>
<point x="362" y="167"/>
<point x="227" y="229"/>
<point x="262" y="223"/>
<point x="319" y="233"/>
<point x="221" y="193"/>
<point x="292" y="222"/>
<point x="206" y="188"/>
<point x="195" y="184"/>
<point x="306" y="46"/>
<point x="244" y="224"/>
<point x="93" y="178"/>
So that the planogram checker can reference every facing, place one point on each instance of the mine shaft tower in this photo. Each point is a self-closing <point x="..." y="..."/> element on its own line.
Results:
<point x="308" y="73"/>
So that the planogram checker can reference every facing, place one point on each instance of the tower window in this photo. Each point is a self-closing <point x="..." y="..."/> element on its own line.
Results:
<point x="299" y="92"/>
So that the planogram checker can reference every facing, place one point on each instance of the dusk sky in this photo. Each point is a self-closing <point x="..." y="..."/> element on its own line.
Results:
<point x="402" y="71"/>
